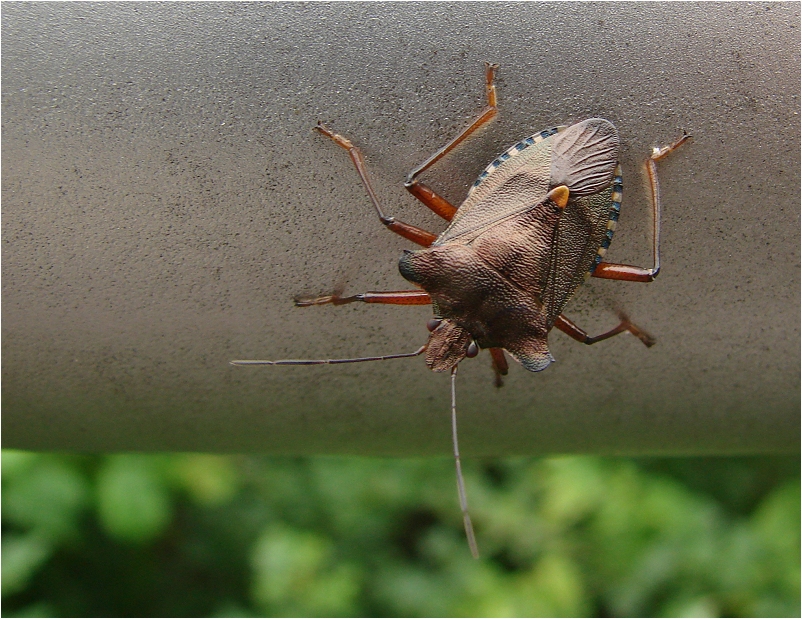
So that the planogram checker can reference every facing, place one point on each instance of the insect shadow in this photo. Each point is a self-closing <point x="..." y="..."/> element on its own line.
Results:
<point x="535" y="225"/>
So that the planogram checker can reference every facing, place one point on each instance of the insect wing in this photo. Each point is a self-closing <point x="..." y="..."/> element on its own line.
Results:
<point x="513" y="183"/>
<point x="584" y="157"/>
<point x="582" y="236"/>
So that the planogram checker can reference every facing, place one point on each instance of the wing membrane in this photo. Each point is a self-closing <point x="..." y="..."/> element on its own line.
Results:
<point x="584" y="156"/>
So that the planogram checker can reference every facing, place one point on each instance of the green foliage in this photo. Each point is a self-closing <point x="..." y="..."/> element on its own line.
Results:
<point x="295" y="575"/>
<point x="226" y="536"/>
<point x="133" y="502"/>
<point x="43" y="496"/>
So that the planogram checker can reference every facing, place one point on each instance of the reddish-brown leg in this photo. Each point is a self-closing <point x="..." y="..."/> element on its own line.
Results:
<point x="401" y="297"/>
<point x="569" y="328"/>
<point x="500" y="367"/>
<point x="628" y="272"/>
<point x="412" y="233"/>
<point x="436" y="203"/>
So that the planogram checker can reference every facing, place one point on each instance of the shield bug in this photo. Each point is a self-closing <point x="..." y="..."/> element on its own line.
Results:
<point x="536" y="223"/>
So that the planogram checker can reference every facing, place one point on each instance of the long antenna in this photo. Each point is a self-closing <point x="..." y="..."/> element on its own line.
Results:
<point x="463" y="500"/>
<point x="325" y="361"/>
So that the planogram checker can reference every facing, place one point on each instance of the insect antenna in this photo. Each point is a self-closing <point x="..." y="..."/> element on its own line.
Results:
<point x="326" y="361"/>
<point x="463" y="500"/>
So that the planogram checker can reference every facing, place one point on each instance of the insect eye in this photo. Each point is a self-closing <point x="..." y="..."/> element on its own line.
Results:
<point x="472" y="351"/>
<point x="433" y="324"/>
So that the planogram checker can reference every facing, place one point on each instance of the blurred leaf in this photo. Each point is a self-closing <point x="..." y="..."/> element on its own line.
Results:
<point x="776" y="526"/>
<point x="381" y="537"/>
<point x="737" y="483"/>
<point x="46" y="495"/>
<point x="701" y="606"/>
<point x="22" y="556"/>
<point x="777" y="521"/>
<point x="232" y="609"/>
<point x="560" y="588"/>
<point x="209" y="479"/>
<point x="15" y="462"/>
<point x="294" y="575"/>
<point x="133" y="500"/>
<point x="574" y="487"/>
<point x="409" y="591"/>
<point x="38" y="609"/>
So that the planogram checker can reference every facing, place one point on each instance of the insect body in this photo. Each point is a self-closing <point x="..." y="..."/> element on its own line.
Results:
<point x="535" y="224"/>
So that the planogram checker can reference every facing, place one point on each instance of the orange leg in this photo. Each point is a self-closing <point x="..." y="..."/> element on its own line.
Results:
<point x="412" y="233"/>
<point x="433" y="201"/>
<point x="401" y="297"/>
<point x="436" y="203"/>
<point x="500" y="367"/>
<point x="627" y="272"/>
<point x="569" y="328"/>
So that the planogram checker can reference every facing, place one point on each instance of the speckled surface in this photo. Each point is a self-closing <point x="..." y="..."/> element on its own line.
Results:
<point x="164" y="198"/>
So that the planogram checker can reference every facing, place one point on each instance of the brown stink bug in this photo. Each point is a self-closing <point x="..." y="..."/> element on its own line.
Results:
<point x="536" y="224"/>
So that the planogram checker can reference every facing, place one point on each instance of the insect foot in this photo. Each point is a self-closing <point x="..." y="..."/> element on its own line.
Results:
<point x="639" y="333"/>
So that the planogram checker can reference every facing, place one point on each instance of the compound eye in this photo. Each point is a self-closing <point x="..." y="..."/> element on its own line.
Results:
<point x="433" y="324"/>
<point x="472" y="351"/>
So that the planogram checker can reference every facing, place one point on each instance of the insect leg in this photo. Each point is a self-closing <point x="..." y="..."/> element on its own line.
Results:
<point x="569" y="328"/>
<point x="436" y="203"/>
<point x="412" y="233"/>
<point x="630" y="273"/>
<point x="500" y="367"/>
<point x="400" y="297"/>
<point x="423" y="193"/>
